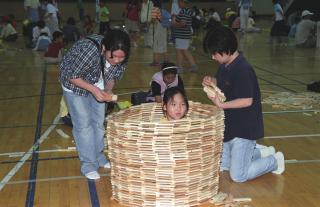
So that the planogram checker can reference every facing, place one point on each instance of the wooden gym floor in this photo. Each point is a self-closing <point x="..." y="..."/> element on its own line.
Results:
<point x="49" y="175"/>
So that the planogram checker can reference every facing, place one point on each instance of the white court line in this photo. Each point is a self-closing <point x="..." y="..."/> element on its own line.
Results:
<point x="71" y="149"/>
<point x="292" y="136"/>
<point x="27" y="155"/>
<point x="291" y="111"/>
<point x="19" y="154"/>
<point x="293" y="161"/>
<point x="54" y="179"/>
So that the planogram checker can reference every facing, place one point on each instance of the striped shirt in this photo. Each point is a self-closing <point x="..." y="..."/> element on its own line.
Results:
<point x="185" y="32"/>
<point x="83" y="61"/>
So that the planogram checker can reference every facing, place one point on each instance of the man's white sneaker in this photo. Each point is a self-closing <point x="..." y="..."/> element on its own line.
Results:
<point x="280" y="161"/>
<point x="107" y="165"/>
<point x="94" y="175"/>
<point x="266" y="151"/>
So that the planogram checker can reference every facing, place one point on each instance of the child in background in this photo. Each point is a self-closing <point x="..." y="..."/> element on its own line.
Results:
<point x="243" y="111"/>
<point x="175" y="104"/>
<point x="8" y="33"/>
<point x="70" y="30"/>
<point x="104" y="18"/>
<point x="251" y="26"/>
<point x="55" y="49"/>
<point x="13" y="21"/>
<point x="168" y="77"/>
<point x="42" y="42"/>
<point x="88" y="25"/>
<point x="160" y="38"/>
<point x="37" y="30"/>
<point x="279" y="30"/>
<point x="183" y="35"/>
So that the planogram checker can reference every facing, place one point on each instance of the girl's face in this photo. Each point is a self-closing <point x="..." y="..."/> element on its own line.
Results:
<point x="176" y="108"/>
<point x="117" y="57"/>
<point x="169" y="78"/>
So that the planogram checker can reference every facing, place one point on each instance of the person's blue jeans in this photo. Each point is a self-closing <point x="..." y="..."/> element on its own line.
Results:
<point x="244" y="161"/>
<point x="34" y="15"/>
<point x="88" y="130"/>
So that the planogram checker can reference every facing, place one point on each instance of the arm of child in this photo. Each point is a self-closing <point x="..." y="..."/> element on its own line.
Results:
<point x="234" y="104"/>
<point x="108" y="89"/>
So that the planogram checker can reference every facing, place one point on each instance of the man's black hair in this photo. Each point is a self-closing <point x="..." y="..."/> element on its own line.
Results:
<point x="220" y="40"/>
<point x="157" y="3"/>
<point x="117" y="39"/>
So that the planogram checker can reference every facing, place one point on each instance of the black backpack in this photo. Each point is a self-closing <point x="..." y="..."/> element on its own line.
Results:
<point x="139" y="97"/>
<point x="315" y="86"/>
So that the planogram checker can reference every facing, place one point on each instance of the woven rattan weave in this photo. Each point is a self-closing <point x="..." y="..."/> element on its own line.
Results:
<point x="174" y="163"/>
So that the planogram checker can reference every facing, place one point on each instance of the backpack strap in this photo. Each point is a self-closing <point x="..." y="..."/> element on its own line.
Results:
<point x="99" y="49"/>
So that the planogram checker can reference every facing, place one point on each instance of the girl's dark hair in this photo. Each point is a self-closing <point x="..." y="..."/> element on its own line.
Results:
<point x="275" y="1"/>
<point x="170" y="92"/>
<point x="168" y="68"/>
<point x="117" y="39"/>
<point x="88" y="16"/>
<point x="56" y="35"/>
<point x="44" y="34"/>
<point x="220" y="40"/>
<point x="41" y="24"/>
<point x="71" y="21"/>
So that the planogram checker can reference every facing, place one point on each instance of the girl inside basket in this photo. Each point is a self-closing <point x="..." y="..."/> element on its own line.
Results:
<point x="166" y="78"/>
<point x="175" y="104"/>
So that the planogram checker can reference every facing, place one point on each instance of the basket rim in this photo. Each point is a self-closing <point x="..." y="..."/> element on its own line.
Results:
<point x="110" y="118"/>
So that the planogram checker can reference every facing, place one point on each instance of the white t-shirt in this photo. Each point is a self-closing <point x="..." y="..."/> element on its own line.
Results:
<point x="51" y="9"/>
<point x="278" y="12"/>
<point x="7" y="30"/>
<point x="216" y="16"/>
<point x="37" y="31"/>
<point x="305" y="28"/>
<point x="250" y="23"/>
<point x="34" y="4"/>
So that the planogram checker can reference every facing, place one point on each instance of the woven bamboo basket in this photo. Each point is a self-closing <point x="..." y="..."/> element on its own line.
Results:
<point x="174" y="163"/>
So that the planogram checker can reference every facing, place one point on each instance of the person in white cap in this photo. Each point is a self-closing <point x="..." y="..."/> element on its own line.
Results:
<point x="306" y="35"/>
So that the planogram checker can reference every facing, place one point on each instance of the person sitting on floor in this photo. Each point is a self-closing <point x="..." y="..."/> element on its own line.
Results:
<point x="55" y="49"/>
<point x="168" y="77"/>
<point x="70" y="31"/>
<point x="42" y="42"/>
<point x="305" y="34"/>
<point x="8" y="33"/>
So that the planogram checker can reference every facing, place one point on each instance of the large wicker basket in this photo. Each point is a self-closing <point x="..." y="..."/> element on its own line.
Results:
<point x="175" y="163"/>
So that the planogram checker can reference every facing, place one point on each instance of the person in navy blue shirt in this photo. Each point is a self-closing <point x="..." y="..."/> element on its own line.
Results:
<point x="243" y="111"/>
